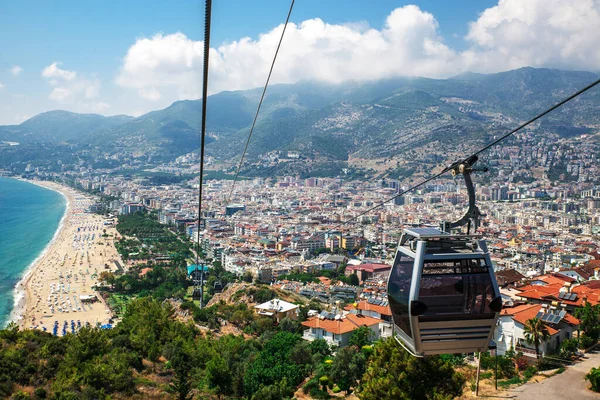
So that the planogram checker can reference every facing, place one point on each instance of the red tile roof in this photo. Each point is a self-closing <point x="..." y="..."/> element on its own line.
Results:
<point x="525" y="312"/>
<point x="366" y="306"/>
<point x="341" y="326"/>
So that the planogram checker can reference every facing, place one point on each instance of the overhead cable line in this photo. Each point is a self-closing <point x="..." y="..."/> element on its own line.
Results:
<point x="207" y="17"/>
<point x="237" y="173"/>
<point x="451" y="166"/>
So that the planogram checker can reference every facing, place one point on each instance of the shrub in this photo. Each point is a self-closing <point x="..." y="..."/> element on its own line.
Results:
<point x="324" y="381"/>
<point x="530" y="372"/>
<point x="473" y="386"/>
<point x="545" y="365"/>
<point x="486" y="375"/>
<point x="40" y="393"/>
<point x="319" y="394"/>
<point x="587" y="341"/>
<point x="310" y="385"/>
<point x="521" y="362"/>
<point x="512" y="381"/>
<point x="594" y="378"/>
<point x="487" y="361"/>
<point x="569" y="346"/>
<point x="506" y="367"/>
<point x="456" y="360"/>
<point x="336" y="389"/>
<point x="20" y="395"/>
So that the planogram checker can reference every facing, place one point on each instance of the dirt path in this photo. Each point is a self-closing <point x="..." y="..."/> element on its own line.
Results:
<point x="568" y="385"/>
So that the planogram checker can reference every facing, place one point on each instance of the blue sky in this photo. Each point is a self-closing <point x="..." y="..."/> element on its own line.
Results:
<point x="132" y="57"/>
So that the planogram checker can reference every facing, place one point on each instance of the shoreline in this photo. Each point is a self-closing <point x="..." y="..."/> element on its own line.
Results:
<point x="19" y="302"/>
<point x="58" y="285"/>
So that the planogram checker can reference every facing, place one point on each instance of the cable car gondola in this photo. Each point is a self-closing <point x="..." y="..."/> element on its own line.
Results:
<point x="442" y="289"/>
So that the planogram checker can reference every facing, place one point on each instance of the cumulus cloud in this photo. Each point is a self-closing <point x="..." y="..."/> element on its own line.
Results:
<point x="53" y="71"/>
<point x="150" y="93"/>
<point x="16" y="70"/>
<point x="59" y="94"/>
<point x="67" y="86"/>
<point x="512" y="34"/>
<point x="409" y="44"/>
<point x="539" y="33"/>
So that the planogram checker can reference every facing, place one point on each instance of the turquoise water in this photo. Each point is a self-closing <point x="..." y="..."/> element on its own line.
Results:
<point x="29" y="218"/>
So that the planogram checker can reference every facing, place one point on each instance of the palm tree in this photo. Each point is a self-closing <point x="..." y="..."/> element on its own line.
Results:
<point x="536" y="332"/>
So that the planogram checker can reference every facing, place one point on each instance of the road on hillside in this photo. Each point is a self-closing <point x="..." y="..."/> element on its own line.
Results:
<point x="568" y="385"/>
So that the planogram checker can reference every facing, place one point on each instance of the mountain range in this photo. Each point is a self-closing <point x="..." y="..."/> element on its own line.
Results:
<point x="327" y="123"/>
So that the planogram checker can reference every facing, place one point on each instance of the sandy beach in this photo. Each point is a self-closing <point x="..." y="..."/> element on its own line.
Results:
<point x="58" y="288"/>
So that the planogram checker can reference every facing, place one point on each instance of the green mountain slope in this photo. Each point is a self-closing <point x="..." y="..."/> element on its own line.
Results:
<point x="332" y="123"/>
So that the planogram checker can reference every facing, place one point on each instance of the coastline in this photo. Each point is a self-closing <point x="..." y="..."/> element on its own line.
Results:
<point x="19" y="303"/>
<point x="18" y="309"/>
<point x="51" y="288"/>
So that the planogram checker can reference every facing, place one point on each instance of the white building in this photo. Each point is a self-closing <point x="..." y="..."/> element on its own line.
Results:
<point x="510" y="329"/>
<point x="336" y="329"/>
<point x="277" y="309"/>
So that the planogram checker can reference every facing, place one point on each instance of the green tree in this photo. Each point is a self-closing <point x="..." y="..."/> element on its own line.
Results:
<point x="181" y="359"/>
<point x="109" y="373"/>
<point x="147" y="323"/>
<point x="348" y="367"/>
<point x="353" y="279"/>
<point x="361" y="336"/>
<point x="393" y="373"/>
<point x="290" y="325"/>
<point x="568" y="348"/>
<point x="536" y="332"/>
<point x="247" y="277"/>
<point x="277" y="391"/>
<point x="588" y="316"/>
<point x="218" y="376"/>
<point x="321" y="347"/>
<point x="302" y="313"/>
<point x="301" y="354"/>
<point x="273" y="363"/>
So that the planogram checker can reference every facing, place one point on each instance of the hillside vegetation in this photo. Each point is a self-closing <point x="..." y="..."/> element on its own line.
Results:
<point x="326" y="124"/>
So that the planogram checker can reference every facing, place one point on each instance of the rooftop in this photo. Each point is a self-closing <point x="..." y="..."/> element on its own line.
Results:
<point x="345" y="324"/>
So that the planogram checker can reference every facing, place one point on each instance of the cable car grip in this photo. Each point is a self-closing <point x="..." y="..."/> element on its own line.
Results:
<point x="471" y="217"/>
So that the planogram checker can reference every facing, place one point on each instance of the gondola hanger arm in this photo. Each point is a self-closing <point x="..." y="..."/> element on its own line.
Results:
<point x="471" y="217"/>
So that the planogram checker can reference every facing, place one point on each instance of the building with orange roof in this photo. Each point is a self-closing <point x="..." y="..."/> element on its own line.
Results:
<point x="336" y="329"/>
<point x="559" y="290"/>
<point x="375" y="308"/>
<point x="510" y="330"/>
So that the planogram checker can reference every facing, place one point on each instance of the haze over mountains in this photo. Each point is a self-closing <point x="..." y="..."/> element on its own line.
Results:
<point x="329" y="123"/>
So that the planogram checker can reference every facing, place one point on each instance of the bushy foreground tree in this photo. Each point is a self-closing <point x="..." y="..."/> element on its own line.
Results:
<point x="393" y="373"/>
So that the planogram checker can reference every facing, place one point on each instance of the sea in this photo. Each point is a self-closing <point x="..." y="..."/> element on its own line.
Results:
<point x="30" y="216"/>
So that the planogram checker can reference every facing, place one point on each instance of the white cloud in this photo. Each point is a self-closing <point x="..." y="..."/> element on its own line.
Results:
<point x="150" y="93"/>
<point x="53" y="71"/>
<point x="538" y="33"/>
<point x="67" y="86"/>
<point x="171" y="65"/>
<point x="1" y="86"/>
<point x="59" y="94"/>
<point x="515" y="33"/>
<point x="16" y="70"/>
